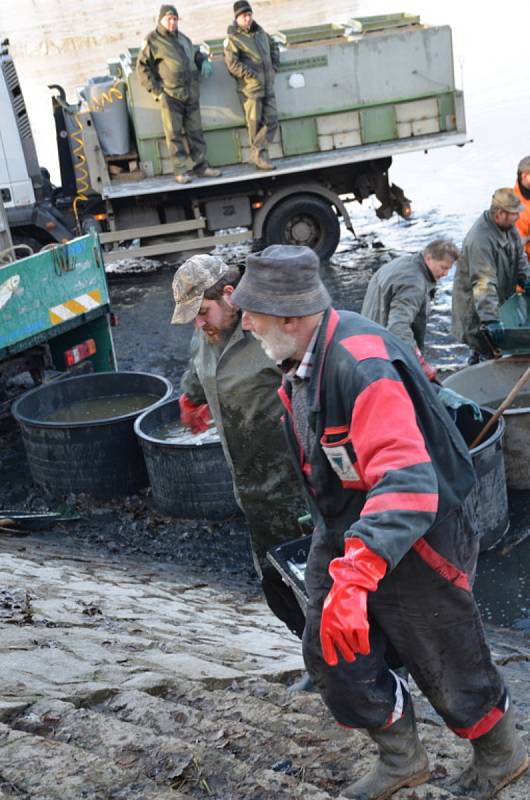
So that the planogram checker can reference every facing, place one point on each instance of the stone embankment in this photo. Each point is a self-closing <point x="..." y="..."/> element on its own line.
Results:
<point x="124" y="680"/>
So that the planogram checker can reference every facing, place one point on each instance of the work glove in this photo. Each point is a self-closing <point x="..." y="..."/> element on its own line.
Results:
<point x="428" y="370"/>
<point x="454" y="401"/>
<point x="523" y="288"/>
<point x="344" y="626"/>
<point x="206" y="68"/>
<point x="192" y="415"/>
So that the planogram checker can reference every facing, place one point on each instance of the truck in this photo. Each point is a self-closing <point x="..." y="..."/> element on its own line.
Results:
<point x="350" y="98"/>
<point x="55" y="315"/>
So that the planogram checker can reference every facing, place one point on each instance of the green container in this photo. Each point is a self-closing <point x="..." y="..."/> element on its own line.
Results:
<point x="515" y="316"/>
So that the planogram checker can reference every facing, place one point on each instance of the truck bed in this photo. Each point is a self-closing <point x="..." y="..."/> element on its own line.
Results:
<point x="286" y="166"/>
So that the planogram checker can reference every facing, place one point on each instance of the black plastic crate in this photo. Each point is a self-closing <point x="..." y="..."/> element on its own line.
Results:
<point x="290" y="560"/>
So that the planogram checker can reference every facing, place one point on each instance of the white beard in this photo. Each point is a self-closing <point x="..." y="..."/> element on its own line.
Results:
<point x="277" y="345"/>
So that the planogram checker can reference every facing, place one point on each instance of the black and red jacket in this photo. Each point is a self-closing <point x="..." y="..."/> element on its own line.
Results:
<point x="388" y="462"/>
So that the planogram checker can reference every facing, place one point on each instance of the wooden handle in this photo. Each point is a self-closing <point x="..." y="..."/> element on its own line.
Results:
<point x="525" y="377"/>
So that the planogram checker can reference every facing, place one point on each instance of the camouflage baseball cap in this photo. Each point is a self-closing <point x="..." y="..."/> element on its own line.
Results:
<point x="507" y="200"/>
<point x="191" y="280"/>
<point x="524" y="165"/>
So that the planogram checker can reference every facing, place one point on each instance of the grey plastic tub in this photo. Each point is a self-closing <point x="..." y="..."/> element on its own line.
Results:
<point x="488" y="500"/>
<point x="188" y="481"/>
<point x="99" y="457"/>
<point x="488" y="384"/>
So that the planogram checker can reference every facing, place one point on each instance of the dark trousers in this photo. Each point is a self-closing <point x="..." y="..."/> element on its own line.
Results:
<point x="420" y="619"/>
<point x="181" y="122"/>
<point x="262" y="121"/>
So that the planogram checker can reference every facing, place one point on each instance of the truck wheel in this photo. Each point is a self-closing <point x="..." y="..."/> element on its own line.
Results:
<point x="304" y="220"/>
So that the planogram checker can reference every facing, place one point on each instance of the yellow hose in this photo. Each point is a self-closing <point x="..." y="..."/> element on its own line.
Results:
<point x="82" y="175"/>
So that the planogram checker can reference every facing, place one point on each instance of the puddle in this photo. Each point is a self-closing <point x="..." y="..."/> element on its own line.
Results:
<point x="96" y="408"/>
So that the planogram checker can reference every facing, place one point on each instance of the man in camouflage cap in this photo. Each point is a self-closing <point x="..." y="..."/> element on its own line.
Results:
<point x="522" y="190"/>
<point x="169" y="66"/>
<point x="230" y="377"/>
<point x="492" y="263"/>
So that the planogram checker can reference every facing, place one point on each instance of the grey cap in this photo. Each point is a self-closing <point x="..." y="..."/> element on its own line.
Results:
<point x="524" y="165"/>
<point x="283" y="281"/>
<point x="191" y="280"/>
<point x="507" y="200"/>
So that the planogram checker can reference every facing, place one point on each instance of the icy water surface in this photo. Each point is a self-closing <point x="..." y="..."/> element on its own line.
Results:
<point x="175" y="433"/>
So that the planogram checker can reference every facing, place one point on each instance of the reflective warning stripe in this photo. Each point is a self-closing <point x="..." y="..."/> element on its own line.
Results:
<point x="72" y="308"/>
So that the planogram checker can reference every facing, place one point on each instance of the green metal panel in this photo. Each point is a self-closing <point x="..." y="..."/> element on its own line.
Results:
<point x="214" y="47"/>
<point x="222" y="147"/>
<point x="50" y="293"/>
<point x="383" y="21"/>
<point x="149" y="150"/>
<point x="299" y="136"/>
<point x="446" y="108"/>
<point x="103" y="360"/>
<point x="378" y="124"/>
<point x="311" y="33"/>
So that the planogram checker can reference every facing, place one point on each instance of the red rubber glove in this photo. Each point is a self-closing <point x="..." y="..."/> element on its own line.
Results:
<point x="344" y="626"/>
<point x="429" y="371"/>
<point x="192" y="415"/>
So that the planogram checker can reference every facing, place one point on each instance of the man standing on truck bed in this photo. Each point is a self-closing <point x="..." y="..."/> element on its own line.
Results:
<point x="386" y="474"/>
<point x="168" y="66"/>
<point x="252" y="57"/>
<point x="491" y="265"/>
<point x="399" y="294"/>
<point x="229" y="372"/>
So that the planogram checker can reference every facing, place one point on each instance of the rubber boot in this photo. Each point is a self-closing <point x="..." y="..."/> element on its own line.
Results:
<point x="303" y="684"/>
<point x="402" y="762"/>
<point x="499" y="757"/>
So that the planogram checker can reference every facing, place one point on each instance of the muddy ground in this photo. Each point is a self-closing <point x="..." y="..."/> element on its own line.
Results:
<point x="138" y="659"/>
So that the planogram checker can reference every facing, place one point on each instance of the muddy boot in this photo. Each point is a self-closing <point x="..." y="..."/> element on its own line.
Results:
<point x="499" y="758"/>
<point x="262" y="162"/>
<point x="204" y="171"/>
<point x="303" y="684"/>
<point x="402" y="762"/>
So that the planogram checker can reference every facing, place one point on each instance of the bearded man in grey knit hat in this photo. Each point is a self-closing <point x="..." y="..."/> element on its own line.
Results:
<point x="392" y="556"/>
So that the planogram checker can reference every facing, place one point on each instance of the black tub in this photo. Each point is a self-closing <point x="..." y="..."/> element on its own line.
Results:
<point x="188" y="481"/>
<point x="99" y="457"/>
<point x="489" y="499"/>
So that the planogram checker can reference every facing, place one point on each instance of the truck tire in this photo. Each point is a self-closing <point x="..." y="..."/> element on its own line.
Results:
<point x="304" y="219"/>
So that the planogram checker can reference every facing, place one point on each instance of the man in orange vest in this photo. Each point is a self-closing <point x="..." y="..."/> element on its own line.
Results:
<point x="522" y="190"/>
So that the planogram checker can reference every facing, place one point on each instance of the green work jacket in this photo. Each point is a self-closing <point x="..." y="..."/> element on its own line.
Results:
<point x="252" y="57"/>
<point x="240" y="384"/>
<point x="169" y="62"/>
<point x="491" y="264"/>
<point x="398" y="298"/>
